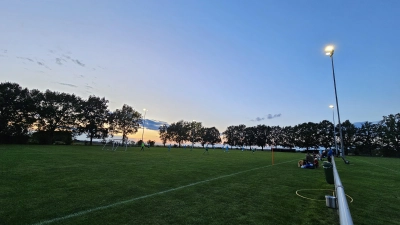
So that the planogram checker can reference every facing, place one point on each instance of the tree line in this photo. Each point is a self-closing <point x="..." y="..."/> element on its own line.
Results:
<point x="381" y="138"/>
<point x="193" y="132"/>
<point x="48" y="115"/>
<point x="25" y="113"/>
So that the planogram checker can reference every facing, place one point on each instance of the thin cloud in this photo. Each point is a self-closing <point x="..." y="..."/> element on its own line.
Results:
<point x="71" y="85"/>
<point x="258" y="119"/>
<point x="60" y="60"/>
<point x="77" y="62"/>
<point x="24" y="58"/>
<point x="42" y="64"/>
<point x="66" y="56"/>
<point x="270" y="116"/>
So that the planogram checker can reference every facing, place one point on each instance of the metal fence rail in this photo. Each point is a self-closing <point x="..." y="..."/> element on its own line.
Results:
<point x="344" y="211"/>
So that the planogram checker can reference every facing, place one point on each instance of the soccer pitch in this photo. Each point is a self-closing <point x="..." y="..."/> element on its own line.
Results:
<point x="87" y="185"/>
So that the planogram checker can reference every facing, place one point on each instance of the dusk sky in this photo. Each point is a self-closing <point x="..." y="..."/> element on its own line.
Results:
<point x="218" y="62"/>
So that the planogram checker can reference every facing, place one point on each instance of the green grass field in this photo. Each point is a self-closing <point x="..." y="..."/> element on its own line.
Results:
<point x="87" y="185"/>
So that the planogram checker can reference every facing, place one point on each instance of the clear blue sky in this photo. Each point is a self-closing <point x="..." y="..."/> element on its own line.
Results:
<point x="219" y="62"/>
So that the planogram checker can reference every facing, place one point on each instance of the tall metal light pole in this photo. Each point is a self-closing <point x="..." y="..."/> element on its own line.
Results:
<point x="144" y="119"/>
<point x="334" y="128"/>
<point x="329" y="50"/>
<point x="193" y="124"/>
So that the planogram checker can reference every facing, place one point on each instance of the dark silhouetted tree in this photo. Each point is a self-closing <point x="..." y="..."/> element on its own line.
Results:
<point x="366" y="138"/>
<point x="349" y="135"/>
<point x="211" y="136"/>
<point x="17" y="112"/>
<point x="57" y="112"/>
<point x="179" y="132"/>
<point x="125" y="121"/>
<point x="163" y="133"/>
<point x="94" y="118"/>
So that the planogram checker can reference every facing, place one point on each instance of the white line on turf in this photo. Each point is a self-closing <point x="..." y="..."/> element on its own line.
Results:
<point x="378" y="165"/>
<point x="147" y="196"/>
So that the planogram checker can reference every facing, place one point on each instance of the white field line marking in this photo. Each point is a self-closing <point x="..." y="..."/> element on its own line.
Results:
<point x="147" y="196"/>
<point x="378" y="165"/>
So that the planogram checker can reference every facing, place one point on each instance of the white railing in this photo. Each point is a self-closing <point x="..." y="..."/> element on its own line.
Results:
<point x="344" y="211"/>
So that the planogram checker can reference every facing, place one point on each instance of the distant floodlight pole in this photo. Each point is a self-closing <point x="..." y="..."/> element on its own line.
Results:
<point x="193" y="124"/>
<point x="334" y="127"/>
<point x="144" y="119"/>
<point x="329" y="50"/>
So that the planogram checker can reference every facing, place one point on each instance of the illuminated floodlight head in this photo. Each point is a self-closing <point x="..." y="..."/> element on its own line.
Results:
<point x="329" y="50"/>
<point x="331" y="106"/>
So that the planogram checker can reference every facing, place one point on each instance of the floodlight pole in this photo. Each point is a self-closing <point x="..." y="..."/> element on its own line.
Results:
<point x="334" y="128"/>
<point x="144" y="119"/>
<point x="193" y="124"/>
<point x="337" y="105"/>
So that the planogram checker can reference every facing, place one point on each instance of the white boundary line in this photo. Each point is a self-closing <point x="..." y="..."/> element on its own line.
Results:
<point x="377" y="165"/>
<point x="147" y="196"/>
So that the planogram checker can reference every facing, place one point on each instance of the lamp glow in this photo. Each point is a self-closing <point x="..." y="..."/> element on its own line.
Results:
<point x="329" y="50"/>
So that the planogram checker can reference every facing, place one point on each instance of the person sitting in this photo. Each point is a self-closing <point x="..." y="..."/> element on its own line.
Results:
<point x="316" y="163"/>
<point x="308" y="166"/>
<point x="309" y="158"/>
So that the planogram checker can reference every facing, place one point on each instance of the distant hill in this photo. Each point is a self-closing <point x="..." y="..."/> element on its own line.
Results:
<point x="359" y="124"/>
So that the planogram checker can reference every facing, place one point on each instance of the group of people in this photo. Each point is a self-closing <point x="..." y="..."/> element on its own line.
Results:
<point x="327" y="154"/>
<point x="312" y="161"/>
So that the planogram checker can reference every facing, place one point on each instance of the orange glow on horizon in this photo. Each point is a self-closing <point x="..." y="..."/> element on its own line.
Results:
<point x="148" y="135"/>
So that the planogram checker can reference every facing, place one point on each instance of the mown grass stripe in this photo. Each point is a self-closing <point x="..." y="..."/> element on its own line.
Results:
<point x="378" y="165"/>
<point x="147" y="196"/>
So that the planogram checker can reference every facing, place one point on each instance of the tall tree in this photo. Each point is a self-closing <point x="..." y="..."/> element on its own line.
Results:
<point x="306" y="135"/>
<point x="390" y="134"/>
<point x="275" y="136"/>
<point x="16" y="112"/>
<point x="288" y="137"/>
<point x="57" y="112"/>
<point x="366" y="138"/>
<point x="125" y="121"/>
<point x="262" y="132"/>
<point x="94" y="118"/>
<point x="211" y="136"/>
<point x="250" y="136"/>
<point x="163" y="133"/>
<point x="235" y="135"/>
<point x="195" y="131"/>
<point x="240" y="135"/>
<point x="179" y="132"/>
<point x="349" y="135"/>
<point x="229" y="136"/>
<point x="325" y="134"/>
